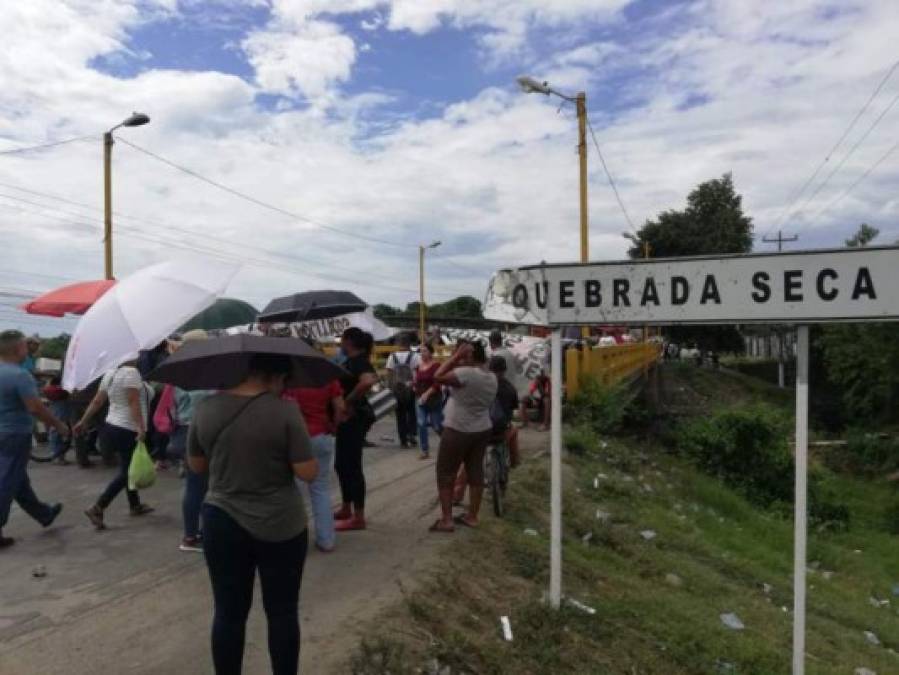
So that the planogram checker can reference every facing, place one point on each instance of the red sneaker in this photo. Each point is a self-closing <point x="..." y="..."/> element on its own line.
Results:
<point x="354" y="523"/>
<point x="343" y="514"/>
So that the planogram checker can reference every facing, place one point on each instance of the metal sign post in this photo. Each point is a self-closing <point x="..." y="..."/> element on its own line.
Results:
<point x="800" y="521"/>
<point x="851" y="284"/>
<point x="555" y="552"/>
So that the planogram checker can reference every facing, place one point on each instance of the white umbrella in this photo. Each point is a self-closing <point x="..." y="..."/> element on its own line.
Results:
<point x="139" y="313"/>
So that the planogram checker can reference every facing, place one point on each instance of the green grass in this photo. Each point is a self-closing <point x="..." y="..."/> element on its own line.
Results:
<point x="722" y="548"/>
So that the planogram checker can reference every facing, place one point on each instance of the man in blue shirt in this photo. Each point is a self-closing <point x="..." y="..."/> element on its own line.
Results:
<point x="19" y="400"/>
<point x="30" y="360"/>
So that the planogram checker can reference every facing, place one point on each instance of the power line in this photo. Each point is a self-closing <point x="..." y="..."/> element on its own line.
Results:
<point x="44" y="146"/>
<point x="858" y="181"/>
<point x="798" y="194"/>
<point x="450" y="261"/>
<point x="609" y="176"/>
<point x="849" y="154"/>
<point x="780" y="240"/>
<point x="266" y="205"/>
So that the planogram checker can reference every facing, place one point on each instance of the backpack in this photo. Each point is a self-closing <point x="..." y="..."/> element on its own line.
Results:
<point x="402" y="377"/>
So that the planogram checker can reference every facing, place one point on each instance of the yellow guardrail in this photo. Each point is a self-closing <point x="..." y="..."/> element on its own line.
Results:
<point x="609" y="365"/>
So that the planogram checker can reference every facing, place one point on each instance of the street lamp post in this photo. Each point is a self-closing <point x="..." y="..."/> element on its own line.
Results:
<point x="135" y="120"/>
<point x="531" y="86"/>
<point x="421" y="287"/>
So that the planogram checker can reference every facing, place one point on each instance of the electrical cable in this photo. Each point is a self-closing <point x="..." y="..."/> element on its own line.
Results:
<point x="44" y="146"/>
<point x="609" y="176"/>
<point x="263" y="204"/>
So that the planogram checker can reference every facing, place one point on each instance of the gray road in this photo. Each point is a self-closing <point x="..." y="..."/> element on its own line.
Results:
<point x="127" y="600"/>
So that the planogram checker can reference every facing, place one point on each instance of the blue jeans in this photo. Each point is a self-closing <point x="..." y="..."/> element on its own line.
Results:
<point x="58" y="444"/>
<point x="15" y="451"/>
<point x="428" y="416"/>
<point x="195" y="487"/>
<point x="320" y="491"/>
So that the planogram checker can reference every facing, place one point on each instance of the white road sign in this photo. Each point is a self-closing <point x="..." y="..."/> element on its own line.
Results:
<point x="808" y="287"/>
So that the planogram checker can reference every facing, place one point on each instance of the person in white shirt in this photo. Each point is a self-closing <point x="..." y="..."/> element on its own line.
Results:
<point x="126" y="425"/>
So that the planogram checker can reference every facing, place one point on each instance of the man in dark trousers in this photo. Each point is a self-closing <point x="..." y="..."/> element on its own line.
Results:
<point x="401" y="367"/>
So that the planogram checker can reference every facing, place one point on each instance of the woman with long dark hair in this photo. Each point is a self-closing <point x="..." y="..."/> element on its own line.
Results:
<point x="252" y="444"/>
<point x="360" y="378"/>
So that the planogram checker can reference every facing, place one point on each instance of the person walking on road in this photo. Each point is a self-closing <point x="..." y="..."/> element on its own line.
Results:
<point x="360" y="378"/>
<point x="172" y="418"/>
<point x="126" y="426"/>
<point x="428" y="398"/>
<point x="401" y="367"/>
<point x="466" y="431"/>
<point x="322" y="409"/>
<point x="253" y="444"/>
<point x="19" y="400"/>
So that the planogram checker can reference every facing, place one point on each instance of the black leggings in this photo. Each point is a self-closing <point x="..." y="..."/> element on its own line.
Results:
<point x="233" y="556"/>
<point x="122" y="442"/>
<point x="348" y="462"/>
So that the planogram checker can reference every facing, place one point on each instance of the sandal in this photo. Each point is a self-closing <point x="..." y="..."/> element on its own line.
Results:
<point x="439" y="527"/>
<point x="463" y="520"/>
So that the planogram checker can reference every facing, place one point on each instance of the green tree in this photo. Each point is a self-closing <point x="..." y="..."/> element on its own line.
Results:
<point x="712" y="223"/>
<point x="862" y="360"/>
<point x="385" y="312"/>
<point x="55" y="347"/>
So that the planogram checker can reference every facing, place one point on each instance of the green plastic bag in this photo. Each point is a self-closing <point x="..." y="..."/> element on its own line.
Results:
<point x="141" y="471"/>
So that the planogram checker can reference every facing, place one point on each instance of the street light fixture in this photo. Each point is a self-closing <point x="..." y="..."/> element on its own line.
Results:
<point x="134" y="120"/>
<point x="531" y="86"/>
<point x="421" y="287"/>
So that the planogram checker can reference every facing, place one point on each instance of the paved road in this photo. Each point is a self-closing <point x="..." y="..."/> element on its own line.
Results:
<point x="127" y="600"/>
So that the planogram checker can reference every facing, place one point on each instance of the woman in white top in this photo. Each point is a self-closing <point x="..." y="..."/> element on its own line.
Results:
<point x="126" y="424"/>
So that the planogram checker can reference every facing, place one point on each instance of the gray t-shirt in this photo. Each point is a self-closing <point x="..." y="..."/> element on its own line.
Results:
<point x="250" y="473"/>
<point x="468" y="408"/>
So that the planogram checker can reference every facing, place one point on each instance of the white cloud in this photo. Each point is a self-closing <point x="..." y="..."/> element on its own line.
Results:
<point x="493" y="176"/>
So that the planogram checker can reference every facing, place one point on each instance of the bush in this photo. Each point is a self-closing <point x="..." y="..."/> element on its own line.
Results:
<point x="599" y="406"/>
<point x="580" y="439"/>
<point x="870" y="453"/>
<point x="748" y="450"/>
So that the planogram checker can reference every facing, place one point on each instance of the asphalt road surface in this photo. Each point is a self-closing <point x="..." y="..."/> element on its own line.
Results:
<point x="128" y="600"/>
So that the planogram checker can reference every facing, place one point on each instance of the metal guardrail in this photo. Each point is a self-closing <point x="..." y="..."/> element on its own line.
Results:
<point x="609" y="365"/>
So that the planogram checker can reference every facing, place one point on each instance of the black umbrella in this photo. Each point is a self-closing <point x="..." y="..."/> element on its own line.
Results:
<point x="311" y="305"/>
<point x="222" y="363"/>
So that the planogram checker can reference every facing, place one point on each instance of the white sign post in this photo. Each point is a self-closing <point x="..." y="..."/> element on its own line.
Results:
<point x="848" y="285"/>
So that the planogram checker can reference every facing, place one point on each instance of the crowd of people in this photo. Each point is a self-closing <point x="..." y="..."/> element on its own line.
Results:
<point x="245" y="451"/>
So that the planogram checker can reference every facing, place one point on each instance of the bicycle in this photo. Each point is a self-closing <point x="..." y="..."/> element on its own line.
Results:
<point x="496" y="474"/>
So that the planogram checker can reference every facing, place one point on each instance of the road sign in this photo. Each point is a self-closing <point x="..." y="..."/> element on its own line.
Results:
<point x="808" y="287"/>
<point x="852" y="284"/>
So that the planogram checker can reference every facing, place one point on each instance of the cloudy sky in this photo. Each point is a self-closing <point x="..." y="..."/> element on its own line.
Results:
<point x="368" y="127"/>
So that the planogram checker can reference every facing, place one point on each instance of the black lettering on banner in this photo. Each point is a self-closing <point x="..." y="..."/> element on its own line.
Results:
<point x="620" y="288"/>
<point x="823" y="293"/>
<point x="793" y="286"/>
<point x="592" y="297"/>
<point x="650" y="294"/>
<point x="541" y="302"/>
<point x="710" y="290"/>
<point x="680" y="290"/>
<point x="864" y="284"/>
<point x="566" y="293"/>
<point x="762" y="292"/>
<point x="520" y="296"/>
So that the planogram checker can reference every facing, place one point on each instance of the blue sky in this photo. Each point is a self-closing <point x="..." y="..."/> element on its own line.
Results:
<point x="399" y="120"/>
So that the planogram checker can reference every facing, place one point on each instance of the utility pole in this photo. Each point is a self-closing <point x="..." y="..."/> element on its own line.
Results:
<point x="581" y="104"/>
<point x="421" y="288"/>
<point x="107" y="204"/>
<point x="779" y="240"/>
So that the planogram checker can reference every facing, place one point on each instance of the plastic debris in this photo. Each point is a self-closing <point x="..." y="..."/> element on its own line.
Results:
<point x="581" y="606"/>
<point x="865" y="671"/>
<point x="602" y="476"/>
<point x="648" y="535"/>
<point x="507" y="628"/>
<point x="673" y="580"/>
<point x="874" y="602"/>
<point x="587" y="537"/>
<point x="732" y="621"/>
<point x="596" y="483"/>
<point x="827" y="575"/>
<point x="531" y="532"/>
<point x="603" y="516"/>
<point x="872" y="638"/>
<point x="767" y="588"/>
